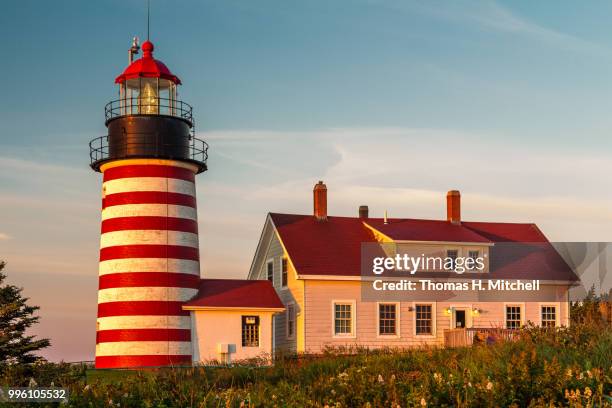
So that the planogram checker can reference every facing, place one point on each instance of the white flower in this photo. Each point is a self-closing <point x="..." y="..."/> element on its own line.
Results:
<point x="32" y="383"/>
<point x="423" y="402"/>
<point x="380" y="378"/>
<point x="489" y="386"/>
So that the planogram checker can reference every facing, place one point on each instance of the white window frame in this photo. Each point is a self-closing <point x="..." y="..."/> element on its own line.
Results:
<point x="481" y="254"/>
<point x="556" y="305"/>
<point x="259" y="321"/>
<point x="353" y="304"/>
<point x="397" y="334"/>
<point x="284" y="258"/>
<point x="268" y="262"/>
<point x="451" y="248"/>
<point x="505" y="315"/>
<point x="290" y="305"/>
<point x="433" y="320"/>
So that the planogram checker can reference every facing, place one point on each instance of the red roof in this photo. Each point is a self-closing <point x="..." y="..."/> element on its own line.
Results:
<point x="147" y="67"/>
<point x="256" y="294"/>
<point x="333" y="247"/>
<point x="425" y="230"/>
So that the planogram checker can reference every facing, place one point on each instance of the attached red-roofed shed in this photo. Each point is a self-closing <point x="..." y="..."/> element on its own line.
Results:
<point x="231" y="319"/>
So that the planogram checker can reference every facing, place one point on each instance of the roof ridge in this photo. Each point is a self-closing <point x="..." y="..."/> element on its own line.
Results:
<point x="404" y="219"/>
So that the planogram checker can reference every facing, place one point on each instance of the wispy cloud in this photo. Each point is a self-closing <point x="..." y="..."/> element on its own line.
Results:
<point x="490" y="15"/>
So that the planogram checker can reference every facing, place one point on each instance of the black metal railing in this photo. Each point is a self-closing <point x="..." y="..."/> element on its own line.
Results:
<point x="193" y="150"/>
<point x="148" y="106"/>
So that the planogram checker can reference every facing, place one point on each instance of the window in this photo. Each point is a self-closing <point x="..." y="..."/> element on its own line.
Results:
<point x="343" y="319"/>
<point x="270" y="274"/>
<point x="284" y="272"/>
<point x="549" y="316"/>
<point x="473" y="255"/>
<point x="387" y="319"/>
<point x="513" y="317"/>
<point x="250" y="331"/>
<point x="290" y="320"/>
<point x="424" y="319"/>
<point x="452" y="254"/>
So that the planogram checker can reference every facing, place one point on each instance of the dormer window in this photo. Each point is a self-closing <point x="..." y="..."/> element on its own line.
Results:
<point x="473" y="255"/>
<point x="453" y="254"/>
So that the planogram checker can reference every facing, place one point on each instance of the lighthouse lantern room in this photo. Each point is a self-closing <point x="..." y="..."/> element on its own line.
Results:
<point x="149" y="251"/>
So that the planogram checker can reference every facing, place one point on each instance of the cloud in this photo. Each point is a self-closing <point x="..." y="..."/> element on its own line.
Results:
<point x="490" y="15"/>
<point x="4" y="237"/>
<point x="407" y="171"/>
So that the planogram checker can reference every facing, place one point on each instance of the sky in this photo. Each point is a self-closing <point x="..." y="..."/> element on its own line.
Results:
<point x="390" y="102"/>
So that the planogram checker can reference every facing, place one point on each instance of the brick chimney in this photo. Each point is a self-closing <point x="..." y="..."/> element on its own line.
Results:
<point x="364" y="211"/>
<point x="453" y="206"/>
<point x="320" y="201"/>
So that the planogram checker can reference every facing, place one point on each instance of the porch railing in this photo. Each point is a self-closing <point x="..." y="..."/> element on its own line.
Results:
<point x="470" y="336"/>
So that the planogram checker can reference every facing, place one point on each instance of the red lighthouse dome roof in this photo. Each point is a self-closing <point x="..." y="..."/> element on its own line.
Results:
<point x="147" y="67"/>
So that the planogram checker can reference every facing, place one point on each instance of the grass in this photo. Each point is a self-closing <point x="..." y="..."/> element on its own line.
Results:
<point x="543" y="368"/>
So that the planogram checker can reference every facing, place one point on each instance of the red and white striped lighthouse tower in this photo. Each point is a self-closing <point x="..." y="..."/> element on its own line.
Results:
<point x="149" y="256"/>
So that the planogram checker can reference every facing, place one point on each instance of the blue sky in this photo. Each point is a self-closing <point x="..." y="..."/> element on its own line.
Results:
<point x="390" y="102"/>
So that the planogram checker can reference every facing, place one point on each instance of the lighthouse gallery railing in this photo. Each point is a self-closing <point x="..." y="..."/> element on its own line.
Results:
<point x="99" y="150"/>
<point x="148" y="106"/>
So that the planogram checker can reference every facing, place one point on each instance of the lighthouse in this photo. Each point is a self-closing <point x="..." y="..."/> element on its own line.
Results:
<point x="149" y="254"/>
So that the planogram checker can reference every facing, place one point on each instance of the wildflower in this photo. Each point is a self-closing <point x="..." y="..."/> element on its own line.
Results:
<point x="581" y="376"/>
<point x="489" y="386"/>
<point x="470" y="384"/>
<point x="86" y="388"/>
<point x="588" y="392"/>
<point x="423" y="402"/>
<point x="32" y="383"/>
<point x="333" y="392"/>
<point x="380" y="379"/>
<point x="569" y="373"/>
<point x="274" y="397"/>
<point x="392" y="377"/>
<point x="589" y="373"/>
